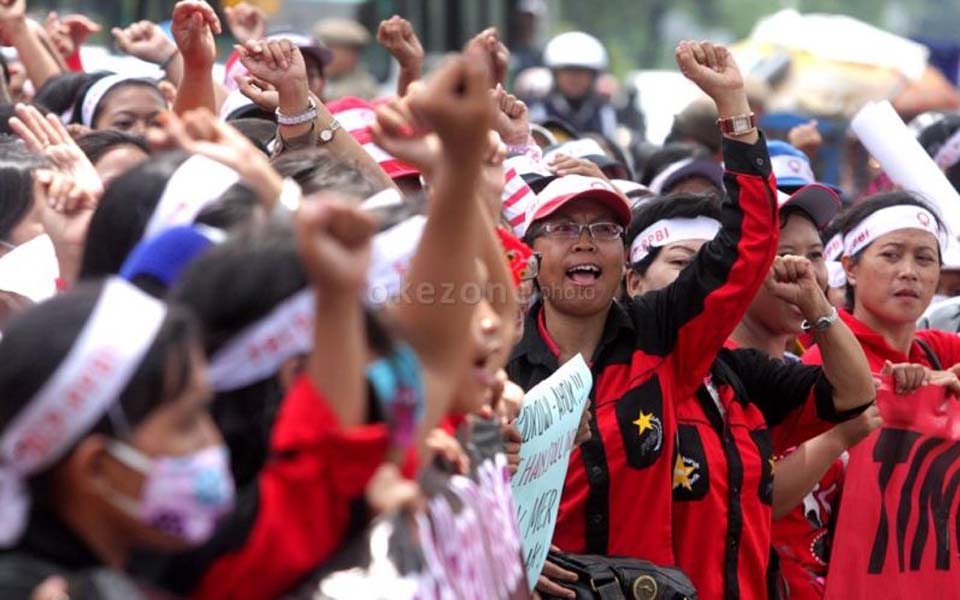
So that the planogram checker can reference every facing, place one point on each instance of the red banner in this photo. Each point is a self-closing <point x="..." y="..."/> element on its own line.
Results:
<point x="898" y="528"/>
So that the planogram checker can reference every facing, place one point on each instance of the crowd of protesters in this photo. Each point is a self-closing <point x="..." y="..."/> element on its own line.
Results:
<point x="248" y="322"/>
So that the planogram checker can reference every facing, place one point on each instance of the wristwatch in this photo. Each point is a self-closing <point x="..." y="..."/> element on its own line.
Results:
<point x="737" y="125"/>
<point x="821" y="323"/>
<point x="326" y="134"/>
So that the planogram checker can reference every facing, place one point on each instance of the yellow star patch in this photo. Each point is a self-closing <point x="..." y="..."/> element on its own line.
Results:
<point x="644" y="422"/>
<point x="681" y="474"/>
<point x="773" y="465"/>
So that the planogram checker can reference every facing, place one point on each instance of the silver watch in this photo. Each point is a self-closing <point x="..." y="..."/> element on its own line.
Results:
<point x="326" y="135"/>
<point x="821" y="323"/>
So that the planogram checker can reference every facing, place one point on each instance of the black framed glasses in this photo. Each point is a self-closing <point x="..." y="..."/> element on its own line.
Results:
<point x="603" y="231"/>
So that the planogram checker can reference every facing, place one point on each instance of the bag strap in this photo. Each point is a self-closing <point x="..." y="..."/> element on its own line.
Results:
<point x="931" y="355"/>
<point x="611" y="591"/>
<point x="604" y="581"/>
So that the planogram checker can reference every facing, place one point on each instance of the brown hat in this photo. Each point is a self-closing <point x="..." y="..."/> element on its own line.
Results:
<point x="341" y="32"/>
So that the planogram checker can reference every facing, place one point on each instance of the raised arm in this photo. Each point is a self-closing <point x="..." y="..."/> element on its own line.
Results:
<point x="397" y="36"/>
<point x="280" y="64"/>
<point x="843" y="361"/>
<point x="19" y="32"/>
<point x="334" y="242"/>
<point x="146" y="41"/>
<point x="454" y="104"/>
<point x="246" y="22"/>
<point x="692" y="318"/>
<point x="194" y="26"/>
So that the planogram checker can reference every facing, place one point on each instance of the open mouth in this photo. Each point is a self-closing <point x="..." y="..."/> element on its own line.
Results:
<point x="483" y="371"/>
<point x="586" y="274"/>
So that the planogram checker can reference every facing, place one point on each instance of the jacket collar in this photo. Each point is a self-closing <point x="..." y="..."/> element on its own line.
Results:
<point x="537" y="350"/>
<point x="875" y="346"/>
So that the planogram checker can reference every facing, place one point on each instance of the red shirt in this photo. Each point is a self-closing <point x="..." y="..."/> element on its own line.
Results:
<point x="723" y="467"/>
<point x="653" y="352"/>
<point x="305" y="493"/>
<point x="802" y="537"/>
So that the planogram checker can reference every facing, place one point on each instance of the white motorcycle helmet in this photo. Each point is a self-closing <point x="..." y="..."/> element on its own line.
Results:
<point x="575" y="49"/>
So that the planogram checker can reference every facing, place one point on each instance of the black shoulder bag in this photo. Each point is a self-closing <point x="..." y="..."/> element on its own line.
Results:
<point x="622" y="578"/>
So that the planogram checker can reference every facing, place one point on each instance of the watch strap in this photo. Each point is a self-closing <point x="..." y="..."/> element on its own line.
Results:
<point x="737" y="124"/>
<point x="821" y="323"/>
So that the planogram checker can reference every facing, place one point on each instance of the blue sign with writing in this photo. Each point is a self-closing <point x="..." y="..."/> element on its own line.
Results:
<point x="548" y="422"/>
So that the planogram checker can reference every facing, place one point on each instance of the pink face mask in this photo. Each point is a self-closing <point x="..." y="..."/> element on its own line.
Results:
<point x="183" y="496"/>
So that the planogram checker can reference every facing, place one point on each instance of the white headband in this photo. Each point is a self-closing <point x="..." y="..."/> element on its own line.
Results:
<point x="84" y="387"/>
<point x="258" y="351"/>
<point x="836" y="276"/>
<point x="656" y="185"/>
<point x="390" y="256"/>
<point x="669" y="231"/>
<point x="834" y="248"/>
<point x="949" y="153"/>
<point x="888" y="220"/>
<point x="91" y="100"/>
<point x="196" y="184"/>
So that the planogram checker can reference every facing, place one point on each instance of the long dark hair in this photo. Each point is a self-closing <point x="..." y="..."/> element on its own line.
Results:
<point x="16" y="184"/>
<point x="123" y="214"/>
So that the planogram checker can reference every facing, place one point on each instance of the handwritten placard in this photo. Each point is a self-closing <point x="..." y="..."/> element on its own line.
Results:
<point x="548" y="422"/>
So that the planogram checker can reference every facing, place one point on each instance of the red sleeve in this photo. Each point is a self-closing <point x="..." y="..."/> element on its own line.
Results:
<point x="691" y="318"/>
<point x="74" y="63"/>
<point x="305" y="497"/>
<point x="799" y="426"/>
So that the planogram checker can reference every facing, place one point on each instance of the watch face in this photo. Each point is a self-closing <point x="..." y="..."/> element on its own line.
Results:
<point x="326" y="135"/>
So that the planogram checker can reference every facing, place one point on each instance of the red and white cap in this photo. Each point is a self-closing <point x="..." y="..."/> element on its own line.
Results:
<point x="516" y="198"/>
<point x="357" y="116"/>
<point x="578" y="187"/>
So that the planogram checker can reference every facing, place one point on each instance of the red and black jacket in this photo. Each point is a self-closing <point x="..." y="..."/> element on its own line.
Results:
<point x="724" y="464"/>
<point x="655" y="351"/>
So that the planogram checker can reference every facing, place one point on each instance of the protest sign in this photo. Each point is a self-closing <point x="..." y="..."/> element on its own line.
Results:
<point x="548" y="422"/>
<point x="462" y="543"/>
<point x="897" y="533"/>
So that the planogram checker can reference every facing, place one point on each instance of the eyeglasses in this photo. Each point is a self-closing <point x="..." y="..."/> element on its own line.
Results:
<point x="603" y="231"/>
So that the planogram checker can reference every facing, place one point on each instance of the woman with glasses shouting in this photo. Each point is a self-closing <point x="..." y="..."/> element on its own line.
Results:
<point x="648" y="353"/>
